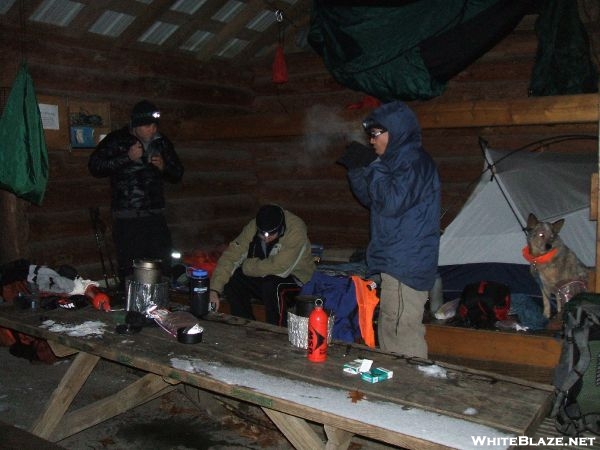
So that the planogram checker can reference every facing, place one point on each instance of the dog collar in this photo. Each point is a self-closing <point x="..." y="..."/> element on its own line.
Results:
<point x="542" y="259"/>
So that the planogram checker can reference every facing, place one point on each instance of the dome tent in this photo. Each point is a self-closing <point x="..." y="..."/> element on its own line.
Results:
<point x="485" y="239"/>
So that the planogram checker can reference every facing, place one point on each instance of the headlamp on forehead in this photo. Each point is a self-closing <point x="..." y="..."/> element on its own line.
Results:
<point x="270" y="220"/>
<point x="369" y="125"/>
<point x="147" y="115"/>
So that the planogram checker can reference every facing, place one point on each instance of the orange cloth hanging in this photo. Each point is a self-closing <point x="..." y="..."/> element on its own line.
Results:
<point x="280" y="72"/>
<point x="366" y="297"/>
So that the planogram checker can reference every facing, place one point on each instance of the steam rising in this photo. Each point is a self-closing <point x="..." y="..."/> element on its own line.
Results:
<point x="326" y="134"/>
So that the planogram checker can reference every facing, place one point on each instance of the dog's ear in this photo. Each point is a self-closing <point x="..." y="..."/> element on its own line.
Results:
<point x="556" y="226"/>
<point x="532" y="221"/>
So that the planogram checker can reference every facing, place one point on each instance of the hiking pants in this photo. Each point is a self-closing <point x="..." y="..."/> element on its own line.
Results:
<point x="240" y="289"/>
<point x="400" y="326"/>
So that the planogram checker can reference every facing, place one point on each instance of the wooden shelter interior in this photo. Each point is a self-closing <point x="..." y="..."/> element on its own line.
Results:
<point x="243" y="139"/>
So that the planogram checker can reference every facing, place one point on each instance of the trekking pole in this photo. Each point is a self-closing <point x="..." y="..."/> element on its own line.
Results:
<point x="94" y="217"/>
<point x="99" y="229"/>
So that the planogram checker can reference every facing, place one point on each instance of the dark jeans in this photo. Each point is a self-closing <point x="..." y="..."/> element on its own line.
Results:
<point x="141" y="238"/>
<point x="240" y="289"/>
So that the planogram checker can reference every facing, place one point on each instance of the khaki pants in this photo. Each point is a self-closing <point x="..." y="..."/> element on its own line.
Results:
<point x="400" y="326"/>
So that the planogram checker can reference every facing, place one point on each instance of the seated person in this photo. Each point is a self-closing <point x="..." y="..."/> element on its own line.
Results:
<point x="272" y="251"/>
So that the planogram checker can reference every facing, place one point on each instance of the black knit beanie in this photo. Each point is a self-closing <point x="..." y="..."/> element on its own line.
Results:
<point x="144" y="113"/>
<point x="270" y="219"/>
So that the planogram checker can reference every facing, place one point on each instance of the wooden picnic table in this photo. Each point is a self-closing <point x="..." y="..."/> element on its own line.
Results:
<point x="425" y="405"/>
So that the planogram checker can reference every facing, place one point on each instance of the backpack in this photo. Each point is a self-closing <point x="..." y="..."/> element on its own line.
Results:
<point x="576" y="406"/>
<point x="484" y="303"/>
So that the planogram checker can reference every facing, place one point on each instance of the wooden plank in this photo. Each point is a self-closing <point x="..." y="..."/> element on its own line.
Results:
<point x="296" y="430"/>
<point x="582" y="108"/>
<point x="337" y="439"/>
<point x="500" y="347"/>
<point x="594" y="197"/>
<point x="63" y="395"/>
<point x="61" y="350"/>
<point x="249" y="361"/>
<point x="141" y="391"/>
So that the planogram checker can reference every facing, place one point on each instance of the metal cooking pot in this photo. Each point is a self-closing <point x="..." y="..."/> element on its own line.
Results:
<point x="147" y="271"/>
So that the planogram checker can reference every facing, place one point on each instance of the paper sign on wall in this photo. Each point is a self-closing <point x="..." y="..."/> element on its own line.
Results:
<point x="49" y="114"/>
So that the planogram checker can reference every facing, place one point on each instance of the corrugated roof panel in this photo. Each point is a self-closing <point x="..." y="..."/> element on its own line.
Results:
<point x="262" y="20"/>
<point x="229" y="11"/>
<point x="111" y="23"/>
<point x="187" y="6"/>
<point x="158" y="33"/>
<point x="232" y="48"/>
<point x="56" y="12"/>
<point x="5" y="5"/>
<point x="197" y="40"/>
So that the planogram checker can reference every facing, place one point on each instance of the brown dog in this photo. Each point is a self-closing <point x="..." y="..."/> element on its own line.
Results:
<point x="553" y="264"/>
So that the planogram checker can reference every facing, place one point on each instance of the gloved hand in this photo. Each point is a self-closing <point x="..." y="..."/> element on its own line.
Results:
<point x="357" y="155"/>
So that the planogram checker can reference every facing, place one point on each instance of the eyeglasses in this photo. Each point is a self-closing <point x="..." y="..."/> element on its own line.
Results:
<point x="374" y="134"/>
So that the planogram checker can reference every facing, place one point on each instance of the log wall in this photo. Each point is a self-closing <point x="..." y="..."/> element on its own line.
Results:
<point x="245" y="141"/>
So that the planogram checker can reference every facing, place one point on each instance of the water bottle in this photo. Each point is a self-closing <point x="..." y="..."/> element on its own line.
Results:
<point x="199" y="292"/>
<point x="317" y="333"/>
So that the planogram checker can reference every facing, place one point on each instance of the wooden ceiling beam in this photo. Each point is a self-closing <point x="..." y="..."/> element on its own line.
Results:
<point x="231" y="29"/>
<point x="563" y="109"/>
<point x="144" y="19"/>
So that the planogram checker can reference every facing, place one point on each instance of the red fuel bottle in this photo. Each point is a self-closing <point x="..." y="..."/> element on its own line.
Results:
<point x="317" y="333"/>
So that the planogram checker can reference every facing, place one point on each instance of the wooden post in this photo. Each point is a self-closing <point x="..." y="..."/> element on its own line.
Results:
<point x="14" y="226"/>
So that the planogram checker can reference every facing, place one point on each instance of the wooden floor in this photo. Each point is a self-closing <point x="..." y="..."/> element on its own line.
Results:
<point x="15" y="438"/>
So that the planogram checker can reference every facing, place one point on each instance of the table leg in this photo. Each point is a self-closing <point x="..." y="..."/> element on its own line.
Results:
<point x="147" y="388"/>
<point x="337" y="439"/>
<point x="63" y="395"/>
<point x="296" y="430"/>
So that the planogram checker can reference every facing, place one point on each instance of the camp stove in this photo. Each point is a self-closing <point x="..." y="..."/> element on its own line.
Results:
<point x="147" y="288"/>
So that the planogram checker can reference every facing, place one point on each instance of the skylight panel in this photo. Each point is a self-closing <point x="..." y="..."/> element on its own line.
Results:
<point x="158" y="33"/>
<point x="232" y="48"/>
<point x="111" y="23"/>
<point x="229" y="11"/>
<point x="197" y="40"/>
<point x="262" y="21"/>
<point x="5" y="5"/>
<point x="57" y="12"/>
<point x="187" y="6"/>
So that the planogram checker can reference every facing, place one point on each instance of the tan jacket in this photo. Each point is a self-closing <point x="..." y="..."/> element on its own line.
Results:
<point x="291" y="255"/>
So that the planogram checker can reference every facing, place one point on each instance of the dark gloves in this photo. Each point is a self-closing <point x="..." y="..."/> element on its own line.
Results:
<point x="357" y="155"/>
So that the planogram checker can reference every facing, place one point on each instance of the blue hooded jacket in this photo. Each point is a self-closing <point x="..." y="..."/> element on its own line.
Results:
<point x="402" y="191"/>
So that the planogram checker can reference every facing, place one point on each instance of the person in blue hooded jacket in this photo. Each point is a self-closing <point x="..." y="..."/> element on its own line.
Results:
<point x="400" y="185"/>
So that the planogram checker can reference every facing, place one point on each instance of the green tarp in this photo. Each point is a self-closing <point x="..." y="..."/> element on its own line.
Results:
<point x="563" y="62"/>
<point x="23" y="154"/>
<point x="410" y="50"/>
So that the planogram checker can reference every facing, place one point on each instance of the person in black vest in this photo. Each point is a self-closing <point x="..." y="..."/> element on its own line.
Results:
<point x="138" y="159"/>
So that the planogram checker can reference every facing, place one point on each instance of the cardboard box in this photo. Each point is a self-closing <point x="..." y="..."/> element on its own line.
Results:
<point x="376" y="375"/>
<point x="358" y="366"/>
